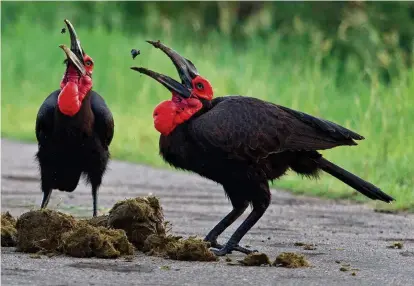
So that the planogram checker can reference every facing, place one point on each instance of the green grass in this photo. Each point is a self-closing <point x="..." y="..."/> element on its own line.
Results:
<point x="275" y="71"/>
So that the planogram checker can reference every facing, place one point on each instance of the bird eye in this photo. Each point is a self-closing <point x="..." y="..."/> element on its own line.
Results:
<point x="200" y="86"/>
<point x="88" y="63"/>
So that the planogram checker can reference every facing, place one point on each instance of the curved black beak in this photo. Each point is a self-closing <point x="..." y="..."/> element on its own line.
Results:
<point x="185" y="68"/>
<point x="171" y="84"/>
<point x="75" y="53"/>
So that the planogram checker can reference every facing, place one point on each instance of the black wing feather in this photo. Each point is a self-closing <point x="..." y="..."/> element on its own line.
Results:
<point x="334" y="130"/>
<point x="104" y="122"/>
<point x="45" y="118"/>
<point x="249" y="128"/>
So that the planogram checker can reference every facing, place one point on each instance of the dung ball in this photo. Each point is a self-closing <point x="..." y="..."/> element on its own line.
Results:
<point x="8" y="230"/>
<point x="291" y="260"/>
<point x="139" y="217"/>
<point x="41" y="230"/>
<point x="86" y="240"/>
<point x="190" y="249"/>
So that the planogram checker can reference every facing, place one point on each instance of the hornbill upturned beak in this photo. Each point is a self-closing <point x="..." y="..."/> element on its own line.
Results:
<point x="185" y="68"/>
<point x="75" y="53"/>
<point x="171" y="84"/>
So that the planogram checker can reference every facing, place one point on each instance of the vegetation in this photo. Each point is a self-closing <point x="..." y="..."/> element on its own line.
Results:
<point x="292" y="62"/>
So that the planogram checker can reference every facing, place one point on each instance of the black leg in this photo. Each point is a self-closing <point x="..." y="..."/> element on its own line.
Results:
<point x="225" y="223"/>
<point x="95" y="200"/>
<point x="260" y="204"/>
<point x="46" y="197"/>
<point x="96" y="170"/>
<point x="95" y="180"/>
<point x="46" y="176"/>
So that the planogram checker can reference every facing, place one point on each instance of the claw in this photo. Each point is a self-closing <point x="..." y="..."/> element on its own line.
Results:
<point x="215" y="247"/>
<point x="221" y="252"/>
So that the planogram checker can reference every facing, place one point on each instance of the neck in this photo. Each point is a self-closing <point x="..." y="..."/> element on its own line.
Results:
<point x="171" y="113"/>
<point x="187" y="109"/>
<point x="73" y="90"/>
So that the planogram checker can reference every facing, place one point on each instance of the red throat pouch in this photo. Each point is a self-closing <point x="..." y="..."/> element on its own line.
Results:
<point x="164" y="117"/>
<point x="73" y="91"/>
<point x="170" y="113"/>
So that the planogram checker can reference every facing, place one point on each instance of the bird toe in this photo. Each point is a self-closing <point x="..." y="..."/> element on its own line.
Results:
<point x="220" y="252"/>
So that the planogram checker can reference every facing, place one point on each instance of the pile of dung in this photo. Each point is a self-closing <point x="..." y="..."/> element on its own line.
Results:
<point x="41" y="230"/>
<point x="255" y="259"/>
<point x="139" y="217"/>
<point x="190" y="249"/>
<point x="98" y="221"/>
<point x="306" y="246"/>
<point x="291" y="260"/>
<point x="176" y="248"/>
<point x="86" y="240"/>
<point x="157" y="245"/>
<point x="8" y="230"/>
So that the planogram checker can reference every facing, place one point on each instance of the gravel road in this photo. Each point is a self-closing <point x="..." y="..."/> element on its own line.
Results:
<point x="346" y="232"/>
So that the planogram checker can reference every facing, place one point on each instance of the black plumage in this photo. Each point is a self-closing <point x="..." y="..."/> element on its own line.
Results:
<point x="243" y="143"/>
<point x="74" y="128"/>
<point x="72" y="146"/>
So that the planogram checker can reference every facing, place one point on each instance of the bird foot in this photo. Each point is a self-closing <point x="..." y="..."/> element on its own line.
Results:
<point x="220" y="250"/>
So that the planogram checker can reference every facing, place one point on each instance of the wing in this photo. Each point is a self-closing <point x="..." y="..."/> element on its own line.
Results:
<point x="104" y="122"/>
<point x="249" y="128"/>
<point x="46" y="117"/>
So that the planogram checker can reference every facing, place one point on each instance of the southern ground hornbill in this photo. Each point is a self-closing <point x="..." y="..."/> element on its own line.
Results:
<point x="242" y="143"/>
<point x="74" y="128"/>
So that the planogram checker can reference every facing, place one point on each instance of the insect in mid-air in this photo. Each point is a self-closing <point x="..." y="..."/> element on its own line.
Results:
<point x="135" y="53"/>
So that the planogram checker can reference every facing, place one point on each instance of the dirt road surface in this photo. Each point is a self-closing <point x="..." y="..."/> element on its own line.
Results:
<point x="343" y="232"/>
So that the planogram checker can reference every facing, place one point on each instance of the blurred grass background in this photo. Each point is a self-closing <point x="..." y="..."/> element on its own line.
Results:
<point x="348" y="62"/>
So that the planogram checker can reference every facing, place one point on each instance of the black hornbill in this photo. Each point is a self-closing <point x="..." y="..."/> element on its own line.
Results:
<point x="74" y="128"/>
<point x="242" y="143"/>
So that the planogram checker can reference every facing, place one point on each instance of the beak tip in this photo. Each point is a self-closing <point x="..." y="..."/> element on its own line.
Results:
<point x="156" y="44"/>
<point x="136" y="69"/>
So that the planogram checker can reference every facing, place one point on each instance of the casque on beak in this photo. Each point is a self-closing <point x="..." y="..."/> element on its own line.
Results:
<point x="75" y="53"/>
<point x="185" y="68"/>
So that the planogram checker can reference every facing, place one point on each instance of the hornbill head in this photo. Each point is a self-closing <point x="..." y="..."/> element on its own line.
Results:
<point x="76" y="58"/>
<point x="186" y="96"/>
<point x="77" y="80"/>
<point x="192" y="84"/>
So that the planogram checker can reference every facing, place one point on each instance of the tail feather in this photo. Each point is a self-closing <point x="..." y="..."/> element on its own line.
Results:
<point x="355" y="182"/>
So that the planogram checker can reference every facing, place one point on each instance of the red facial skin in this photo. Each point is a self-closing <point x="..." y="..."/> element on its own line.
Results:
<point x="74" y="88"/>
<point x="170" y="113"/>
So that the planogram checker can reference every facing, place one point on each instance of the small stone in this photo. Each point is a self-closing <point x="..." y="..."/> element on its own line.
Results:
<point x="165" y="267"/>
